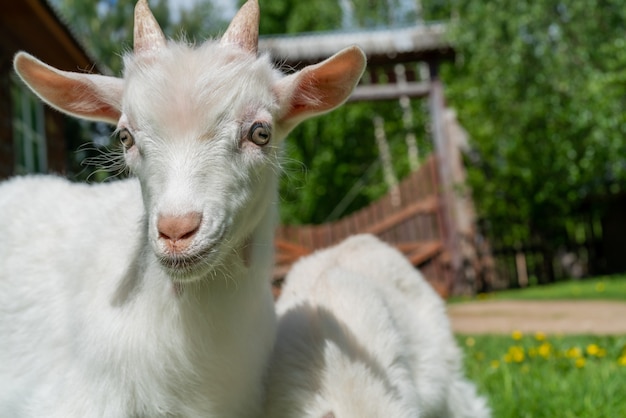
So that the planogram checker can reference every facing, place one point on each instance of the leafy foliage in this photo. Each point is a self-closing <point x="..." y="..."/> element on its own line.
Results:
<point x="299" y="16"/>
<point x="541" y="87"/>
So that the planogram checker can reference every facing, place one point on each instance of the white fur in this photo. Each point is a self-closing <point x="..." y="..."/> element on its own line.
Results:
<point x="93" y="323"/>
<point x="362" y="334"/>
<point x="92" y="327"/>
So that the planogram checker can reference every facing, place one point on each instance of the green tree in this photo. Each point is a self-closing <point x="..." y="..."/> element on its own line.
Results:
<point x="541" y="88"/>
<point x="289" y="16"/>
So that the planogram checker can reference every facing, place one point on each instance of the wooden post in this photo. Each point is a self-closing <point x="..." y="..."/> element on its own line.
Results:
<point x="451" y="239"/>
<point x="522" y="269"/>
<point x="407" y="119"/>
<point x="385" y="159"/>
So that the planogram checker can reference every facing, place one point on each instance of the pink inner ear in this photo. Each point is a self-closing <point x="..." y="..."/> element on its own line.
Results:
<point x="87" y="96"/>
<point x="324" y="86"/>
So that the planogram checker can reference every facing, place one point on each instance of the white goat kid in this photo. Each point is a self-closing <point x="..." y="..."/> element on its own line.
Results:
<point x="362" y="335"/>
<point x="150" y="297"/>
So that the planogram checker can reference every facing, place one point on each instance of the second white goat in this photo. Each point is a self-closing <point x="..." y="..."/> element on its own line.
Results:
<point x="362" y="334"/>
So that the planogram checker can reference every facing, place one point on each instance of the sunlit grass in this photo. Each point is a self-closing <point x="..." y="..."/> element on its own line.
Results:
<point x="545" y="376"/>
<point x="601" y="288"/>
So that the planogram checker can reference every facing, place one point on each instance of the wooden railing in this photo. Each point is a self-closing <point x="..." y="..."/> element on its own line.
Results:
<point x="415" y="227"/>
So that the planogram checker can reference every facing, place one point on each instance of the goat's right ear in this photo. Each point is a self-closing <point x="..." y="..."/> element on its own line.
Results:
<point x="87" y="96"/>
<point x="321" y="87"/>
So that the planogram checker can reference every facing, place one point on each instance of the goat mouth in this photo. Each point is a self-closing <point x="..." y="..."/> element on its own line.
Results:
<point x="181" y="266"/>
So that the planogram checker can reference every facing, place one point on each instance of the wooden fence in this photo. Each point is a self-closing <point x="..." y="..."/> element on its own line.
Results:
<point x="415" y="226"/>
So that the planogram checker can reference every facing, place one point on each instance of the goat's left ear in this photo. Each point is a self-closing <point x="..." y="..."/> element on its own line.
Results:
<point x="321" y="87"/>
<point x="87" y="96"/>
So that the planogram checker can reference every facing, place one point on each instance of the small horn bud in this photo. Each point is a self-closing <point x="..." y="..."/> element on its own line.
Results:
<point x="147" y="34"/>
<point x="244" y="28"/>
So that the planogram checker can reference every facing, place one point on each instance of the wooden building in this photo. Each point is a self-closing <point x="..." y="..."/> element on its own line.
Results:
<point x="31" y="134"/>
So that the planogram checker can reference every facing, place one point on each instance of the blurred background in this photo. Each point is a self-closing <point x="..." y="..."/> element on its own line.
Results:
<point x="510" y="117"/>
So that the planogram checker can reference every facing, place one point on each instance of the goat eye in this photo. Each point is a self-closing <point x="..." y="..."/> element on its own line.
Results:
<point x="259" y="133"/>
<point x="126" y="138"/>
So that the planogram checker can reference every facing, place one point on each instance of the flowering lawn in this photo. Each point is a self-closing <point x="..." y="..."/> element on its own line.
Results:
<point x="549" y="376"/>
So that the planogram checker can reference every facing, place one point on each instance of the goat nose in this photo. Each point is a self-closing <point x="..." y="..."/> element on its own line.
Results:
<point x="178" y="231"/>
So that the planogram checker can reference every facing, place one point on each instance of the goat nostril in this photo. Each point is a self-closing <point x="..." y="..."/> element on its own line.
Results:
<point x="179" y="228"/>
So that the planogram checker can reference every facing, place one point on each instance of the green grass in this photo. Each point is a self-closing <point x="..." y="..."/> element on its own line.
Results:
<point x="537" y="376"/>
<point x="601" y="288"/>
<point x="534" y="376"/>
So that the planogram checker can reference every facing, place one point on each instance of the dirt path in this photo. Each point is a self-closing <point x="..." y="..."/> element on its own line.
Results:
<point x="551" y="317"/>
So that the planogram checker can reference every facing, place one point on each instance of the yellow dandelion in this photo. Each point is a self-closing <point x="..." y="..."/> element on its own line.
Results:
<point x="517" y="335"/>
<point x="574" y="352"/>
<point x="580" y="362"/>
<point x="622" y="361"/>
<point x="593" y="349"/>
<point x="469" y="341"/>
<point x="545" y="350"/>
<point x="540" y="336"/>
<point x="494" y="364"/>
<point x="600" y="287"/>
<point x="515" y="354"/>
